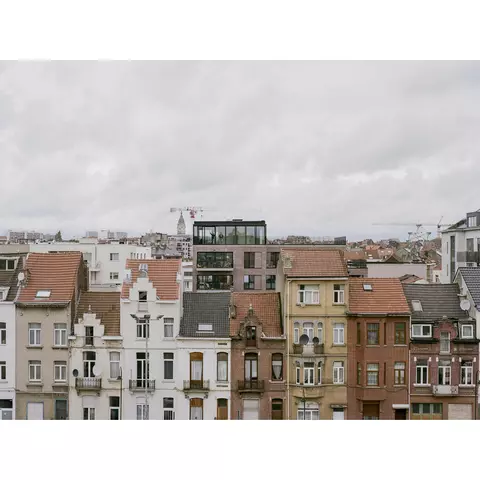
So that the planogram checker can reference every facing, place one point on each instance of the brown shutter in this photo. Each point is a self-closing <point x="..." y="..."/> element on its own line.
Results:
<point x="222" y="409"/>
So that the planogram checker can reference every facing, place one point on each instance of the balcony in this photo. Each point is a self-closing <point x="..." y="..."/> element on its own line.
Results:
<point x="251" y="386"/>
<point x="297" y="349"/>
<point x="139" y="385"/>
<point x="88" y="384"/>
<point x="199" y="385"/>
<point x="319" y="349"/>
<point x="445" y="390"/>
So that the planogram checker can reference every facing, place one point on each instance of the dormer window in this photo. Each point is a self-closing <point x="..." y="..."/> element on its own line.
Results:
<point x="421" y="331"/>
<point x="472" y="221"/>
<point x="467" y="331"/>
<point x="367" y="287"/>
<point x="43" y="294"/>
<point x="7" y="264"/>
<point x="417" y="305"/>
<point x="205" y="327"/>
<point x="251" y="335"/>
<point x="89" y="336"/>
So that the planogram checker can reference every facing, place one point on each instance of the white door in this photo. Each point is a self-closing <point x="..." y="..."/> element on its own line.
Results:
<point x="35" y="411"/>
<point x="460" y="411"/>
<point x="338" y="414"/>
<point x="250" y="409"/>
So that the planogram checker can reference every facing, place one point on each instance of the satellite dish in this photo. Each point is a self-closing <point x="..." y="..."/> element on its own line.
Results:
<point x="75" y="373"/>
<point x="316" y="340"/>
<point x="465" y="305"/>
<point x="304" y="339"/>
<point x="97" y="371"/>
<point x="21" y="277"/>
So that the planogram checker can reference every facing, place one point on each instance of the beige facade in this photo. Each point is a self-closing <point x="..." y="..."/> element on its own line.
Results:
<point x="43" y="390"/>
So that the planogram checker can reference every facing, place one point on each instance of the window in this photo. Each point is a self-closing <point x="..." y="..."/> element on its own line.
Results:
<point x="205" y="327"/>
<point x="249" y="260"/>
<point x="251" y="366"/>
<point x="277" y="366"/>
<point x="296" y="332"/>
<point x="143" y="328"/>
<point x="399" y="373"/>
<point x="271" y="282"/>
<point x="35" y="371"/>
<point x="359" y="334"/>
<point x="400" y="330"/>
<point x="114" y="408"/>
<point x="251" y="336"/>
<point x="373" y="330"/>
<point x="272" y="259"/>
<point x="114" y="257"/>
<point x="61" y="409"/>
<point x="339" y="294"/>
<point x="196" y="409"/>
<point x="297" y="375"/>
<point x="143" y="369"/>
<point x="143" y="411"/>
<point x="472" y="222"/>
<point x="222" y="409"/>
<point x="43" y="294"/>
<point x="277" y="409"/>
<point x="422" y="372"/>
<point x="430" y="410"/>
<point x="88" y="364"/>
<point x="308" y="411"/>
<point x="309" y="294"/>
<point x="467" y="331"/>
<point x="214" y="282"/>
<point x="142" y="296"/>
<point x="60" y="334"/>
<point x="168" y="409"/>
<point x="466" y="376"/>
<point x="222" y="367"/>
<point x="367" y="287"/>
<point x="251" y="282"/>
<point x="308" y="373"/>
<point x="308" y="330"/>
<point x="89" y="336"/>
<point x="3" y="333"/>
<point x="3" y="370"/>
<point x="196" y="368"/>
<point x="444" y="373"/>
<point x="88" y="413"/>
<point x="6" y="264"/>
<point x="168" y="327"/>
<point x="320" y="332"/>
<point x="3" y="293"/>
<point x="168" y="366"/>
<point x="417" y="306"/>
<point x="114" y="365"/>
<point x="359" y="373"/>
<point x="319" y="373"/>
<point x="34" y="330"/>
<point x="214" y="260"/>
<point x="444" y="342"/>
<point x="113" y="275"/>
<point x="372" y="374"/>
<point x="60" y="371"/>
<point x="338" y="334"/>
<point x="338" y="372"/>
<point x="421" y="331"/>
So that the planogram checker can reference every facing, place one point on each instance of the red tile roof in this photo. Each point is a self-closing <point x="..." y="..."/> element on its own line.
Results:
<point x="266" y="307"/>
<point x="106" y="307"/>
<point x="315" y="263"/>
<point x="387" y="296"/>
<point x="56" y="272"/>
<point x="162" y="273"/>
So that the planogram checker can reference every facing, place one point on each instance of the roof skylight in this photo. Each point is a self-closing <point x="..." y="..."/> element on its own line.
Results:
<point x="417" y="305"/>
<point x="43" y="294"/>
<point x="367" y="287"/>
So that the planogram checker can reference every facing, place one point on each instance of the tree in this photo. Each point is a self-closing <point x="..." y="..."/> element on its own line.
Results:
<point x="58" y="236"/>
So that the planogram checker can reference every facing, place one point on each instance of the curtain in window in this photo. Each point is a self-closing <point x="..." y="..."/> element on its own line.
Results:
<point x="277" y="366"/>
<point x="197" y="370"/>
<point x="222" y="366"/>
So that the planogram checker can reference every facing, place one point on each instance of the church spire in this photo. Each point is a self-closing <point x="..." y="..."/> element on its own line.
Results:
<point x="181" y="229"/>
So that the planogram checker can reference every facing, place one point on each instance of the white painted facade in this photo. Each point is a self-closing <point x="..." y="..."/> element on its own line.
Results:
<point x="7" y="355"/>
<point x="213" y="389"/>
<point x="92" y="381"/>
<point x="106" y="262"/>
<point x="396" y="270"/>
<point x="187" y="272"/>
<point x="161" y="349"/>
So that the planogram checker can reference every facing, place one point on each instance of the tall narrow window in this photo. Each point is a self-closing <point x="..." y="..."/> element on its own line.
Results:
<point x="372" y="374"/>
<point x="338" y="334"/>
<point x="34" y="330"/>
<point x="89" y="336"/>
<point x="222" y="409"/>
<point x="143" y="369"/>
<point x="88" y="413"/>
<point x="400" y="329"/>
<point x="60" y="371"/>
<point x="143" y="328"/>
<point x="60" y="335"/>
<point x="308" y="373"/>
<point x="338" y="372"/>
<point x="319" y="373"/>
<point x="359" y="334"/>
<point x="277" y="409"/>
<point x="359" y="373"/>
<point x="466" y="374"/>
<point x="339" y="294"/>
<point x="114" y="365"/>
<point x="168" y="366"/>
<point x="168" y="327"/>
<point x="196" y="369"/>
<point x="372" y="333"/>
<point x="422" y="372"/>
<point x="277" y="366"/>
<point x="320" y="333"/>
<point x="444" y="372"/>
<point x="143" y="411"/>
<point x="3" y="333"/>
<point x="296" y="333"/>
<point x="222" y="367"/>
<point x="196" y="409"/>
<point x="88" y="364"/>
<point x="251" y="333"/>
<point x="251" y="367"/>
<point x="297" y="375"/>
<point x="399" y="373"/>
<point x="168" y="408"/>
<point x="3" y="370"/>
<point x="114" y="408"/>
<point x="35" y="371"/>
<point x="308" y="330"/>
<point x="444" y="342"/>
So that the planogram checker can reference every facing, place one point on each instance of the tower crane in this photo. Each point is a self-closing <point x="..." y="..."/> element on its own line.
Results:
<point x="191" y="210"/>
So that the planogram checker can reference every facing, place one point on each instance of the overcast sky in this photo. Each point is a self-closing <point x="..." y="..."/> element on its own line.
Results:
<point x="313" y="148"/>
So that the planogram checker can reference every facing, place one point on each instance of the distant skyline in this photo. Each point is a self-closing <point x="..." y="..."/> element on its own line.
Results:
<point x="314" y="148"/>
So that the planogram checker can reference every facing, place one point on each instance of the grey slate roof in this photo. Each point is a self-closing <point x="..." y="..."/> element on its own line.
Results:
<point x="437" y="300"/>
<point x="206" y="308"/>
<point x="471" y="275"/>
<point x="10" y="278"/>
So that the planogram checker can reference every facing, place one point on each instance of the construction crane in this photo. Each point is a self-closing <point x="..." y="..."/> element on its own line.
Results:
<point x="191" y="210"/>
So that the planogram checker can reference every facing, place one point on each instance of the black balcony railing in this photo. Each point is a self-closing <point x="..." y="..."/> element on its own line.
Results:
<point x="196" y="384"/>
<point x="86" y="383"/>
<point x="251" y="385"/>
<point x="141" y="384"/>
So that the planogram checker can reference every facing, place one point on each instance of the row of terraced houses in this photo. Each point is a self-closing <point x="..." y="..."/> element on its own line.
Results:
<point x="321" y="344"/>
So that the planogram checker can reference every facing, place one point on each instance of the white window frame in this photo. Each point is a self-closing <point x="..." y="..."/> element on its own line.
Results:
<point x="37" y="335"/>
<point x="338" y="294"/>
<point x="114" y="275"/>
<point x="463" y="329"/>
<point x="309" y="375"/>
<point x="308" y="330"/>
<point x="466" y="371"/>
<point x="311" y="413"/>
<point x="35" y="367"/>
<point x="169" y="410"/>
<point x="3" y="293"/>
<point x="373" y="370"/>
<point x="296" y="333"/>
<point x="112" y="363"/>
<point x="143" y="411"/>
<point x="395" y="370"/>
<point x="90" y="413"/>
<point x="172" y="361"/>
<point x="445" y="340"/>
<point x="3" y="370"/>
<point x="168" y="322"/>
<point x="339" y="331"/>
<point x="309" y="295"/>
<point x="62" y="334"/>
<point x="320" y="332"/>
<point x="59" y="372"/>
<point x="142" y="326"/>
<point x="338" y="373"/>
<point x="423" y="375"/>
<point x="112" y="409"/>
<point x="319" y="373"/>
<point x="447" y="374"/>
<point x="3" y="333"/>
<point x="421" y="326"/>
<point x="114" y="257"/>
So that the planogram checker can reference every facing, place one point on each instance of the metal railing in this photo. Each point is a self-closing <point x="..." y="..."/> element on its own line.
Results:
<point x="251" y="385"/>
<point x="87" y="383"/>
<point x="196" y="384"/>
<point x="141" y="384"/>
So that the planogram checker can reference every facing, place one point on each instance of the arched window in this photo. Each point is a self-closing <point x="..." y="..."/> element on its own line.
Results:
<point x="277" y="366"/>
<point x="222" y="367"/>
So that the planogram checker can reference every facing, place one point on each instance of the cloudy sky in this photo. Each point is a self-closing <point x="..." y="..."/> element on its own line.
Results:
<point x="313" y="148"/>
